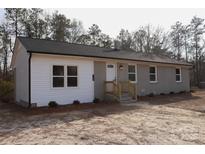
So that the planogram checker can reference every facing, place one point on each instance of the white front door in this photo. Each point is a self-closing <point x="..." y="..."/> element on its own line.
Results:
<point x="110" y="71"/>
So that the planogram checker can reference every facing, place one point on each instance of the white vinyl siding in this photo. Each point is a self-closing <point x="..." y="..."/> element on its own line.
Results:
<point x="22" y="74"/>
<point x="42" y="90"/>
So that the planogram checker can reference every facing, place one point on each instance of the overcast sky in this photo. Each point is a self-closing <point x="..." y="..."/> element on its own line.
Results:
<point x="112" y="20"/>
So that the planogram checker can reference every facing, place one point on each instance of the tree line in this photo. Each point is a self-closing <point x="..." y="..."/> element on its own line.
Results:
<point x="182" y="41"/>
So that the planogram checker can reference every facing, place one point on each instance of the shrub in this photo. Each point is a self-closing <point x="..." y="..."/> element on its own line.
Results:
<point x="162" y="93"/>
<point x="182" y="92"/>
<point x="52" y="104"/>
<point x="151" y="95"/>
<point x="171" y="92"/>
<point x="96" y="100"/>
<point x="192" y="91"/>
<point x="76" y="102"/>
<point x="6" y="90"/>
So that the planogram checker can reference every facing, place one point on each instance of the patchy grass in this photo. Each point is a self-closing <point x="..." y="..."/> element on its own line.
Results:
<point x="172" y="119"/>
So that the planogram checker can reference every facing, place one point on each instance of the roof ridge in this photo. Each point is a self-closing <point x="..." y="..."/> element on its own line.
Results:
<point x="24" y="37"/>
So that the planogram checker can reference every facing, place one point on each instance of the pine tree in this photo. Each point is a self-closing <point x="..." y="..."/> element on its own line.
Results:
<point x="125" y="38"/>
<point x="59" y="27"/>
<point x="94" y="34"/>
<point x="14" y="18"/>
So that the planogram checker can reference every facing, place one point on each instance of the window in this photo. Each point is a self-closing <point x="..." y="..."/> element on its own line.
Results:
<point x="152" y="74"/>
<point x="178" y="75"/>
<point x="131" y="72"/>
<point x="110" y="66"/>
<point x="72" y="76"/>
<point x="58" y="76"/>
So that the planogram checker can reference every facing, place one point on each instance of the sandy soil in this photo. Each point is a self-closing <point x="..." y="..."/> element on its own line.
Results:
<point x="174" y="119"/>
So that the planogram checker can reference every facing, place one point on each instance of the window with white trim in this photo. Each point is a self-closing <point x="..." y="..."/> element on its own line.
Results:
<point x="152" y="73"/>
<point x="110" y="66"/>
<point x="178" y="75"/>
<point x="58" y="76"/>
<point x="72" y="76"/>
<point x="131" y="72"/>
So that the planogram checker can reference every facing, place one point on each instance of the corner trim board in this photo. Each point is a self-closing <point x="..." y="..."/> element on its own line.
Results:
<point x="29" y="80"/>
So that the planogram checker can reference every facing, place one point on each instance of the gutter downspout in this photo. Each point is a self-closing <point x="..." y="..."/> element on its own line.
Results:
<point x="29" y="80"/>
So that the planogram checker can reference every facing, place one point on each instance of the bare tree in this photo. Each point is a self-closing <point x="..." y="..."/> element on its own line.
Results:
<point x="105" y="41"/>
<point x="176" y="35"/>
<point x="5" y="47"/>
<point x="149" y="39"/>
<point x="13" y="17"/>
<point x="197" y="31"/>
<point x="139" y="40"/>
<point x="186" y="36"/>
<point x="75" y="31"/>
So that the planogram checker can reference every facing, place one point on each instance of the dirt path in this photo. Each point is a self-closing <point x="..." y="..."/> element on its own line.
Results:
<point x="159" y="123"/>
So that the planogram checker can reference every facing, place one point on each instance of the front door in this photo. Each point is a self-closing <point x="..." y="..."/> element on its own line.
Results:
<point x="110" y="75"/>
<point x="110" y="72"/>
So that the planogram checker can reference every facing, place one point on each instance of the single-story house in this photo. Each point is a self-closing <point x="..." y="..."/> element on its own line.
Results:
<point x="46" y="70"/>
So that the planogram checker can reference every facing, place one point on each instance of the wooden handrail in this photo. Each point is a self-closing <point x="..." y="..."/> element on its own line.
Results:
<point x="115" y="89"/>
<point x="119" y="90"/>
<point x="118" y="87"/>
<point x="132" y="90"/>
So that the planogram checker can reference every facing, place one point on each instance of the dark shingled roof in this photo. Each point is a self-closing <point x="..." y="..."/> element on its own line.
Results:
<point x="64" y="48"/>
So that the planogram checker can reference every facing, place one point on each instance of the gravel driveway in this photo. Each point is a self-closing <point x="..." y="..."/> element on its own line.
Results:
<point x="173" y="119"/>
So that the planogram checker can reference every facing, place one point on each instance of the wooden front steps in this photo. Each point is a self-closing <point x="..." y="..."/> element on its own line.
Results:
<point x="121" y="91"/>
<point x="125" y="98"/>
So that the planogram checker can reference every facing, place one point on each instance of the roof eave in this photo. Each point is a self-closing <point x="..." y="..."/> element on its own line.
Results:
<point x="39" y="52"/>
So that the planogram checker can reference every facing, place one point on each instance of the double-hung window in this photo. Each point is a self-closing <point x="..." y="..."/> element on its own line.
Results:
<point x="132" y="73"/>
<point x="178" y="75"/>
<point x="153" y="74"/>
<point x="58" y="76"/>
<point x="72" y="76"/>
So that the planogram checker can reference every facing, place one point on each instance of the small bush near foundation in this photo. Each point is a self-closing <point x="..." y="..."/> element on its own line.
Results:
<point x="96" y="100"/>
<point x="76" y="102"/>
<point x="151" y="95"/>
<point x="162" y="93"/>
<point x="52" y="104"/>
<point x="171" y="92"/>
<point x="192" y="91"/>
<point x="182" y="92"/>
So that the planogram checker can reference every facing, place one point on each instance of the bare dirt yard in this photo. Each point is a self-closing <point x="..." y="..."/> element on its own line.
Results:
<point x="168" y="119"/>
